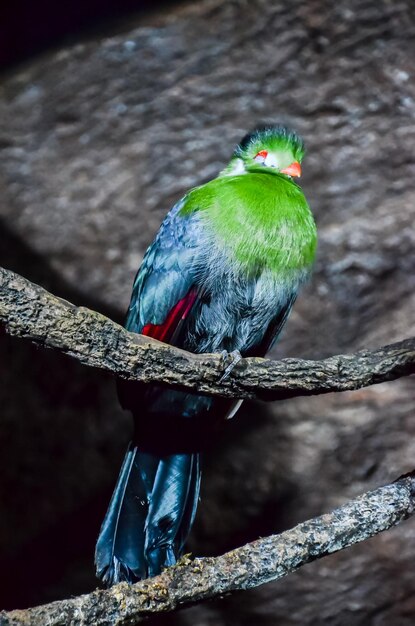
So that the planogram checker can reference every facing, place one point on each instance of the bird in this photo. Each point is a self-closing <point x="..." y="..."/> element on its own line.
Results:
<point x="221" y="275"/>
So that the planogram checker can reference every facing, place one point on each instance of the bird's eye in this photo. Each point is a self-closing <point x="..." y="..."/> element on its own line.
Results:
<point x="261" y="156"/>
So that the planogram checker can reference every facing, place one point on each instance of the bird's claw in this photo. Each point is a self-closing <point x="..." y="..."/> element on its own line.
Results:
<point x="235" y="357"/>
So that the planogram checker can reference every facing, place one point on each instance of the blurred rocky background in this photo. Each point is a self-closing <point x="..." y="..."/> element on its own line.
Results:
<point x="97" y="139"/>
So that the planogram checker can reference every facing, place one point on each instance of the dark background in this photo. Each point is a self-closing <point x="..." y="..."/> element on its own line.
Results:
<point x="100" y="132"/>
<point x="28" y="28"/>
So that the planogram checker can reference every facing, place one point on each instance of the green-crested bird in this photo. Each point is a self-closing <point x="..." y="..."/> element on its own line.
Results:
<point x="221" y="275"/>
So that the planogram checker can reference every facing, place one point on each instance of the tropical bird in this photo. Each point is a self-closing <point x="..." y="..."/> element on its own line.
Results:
<point x="220" y="276"/>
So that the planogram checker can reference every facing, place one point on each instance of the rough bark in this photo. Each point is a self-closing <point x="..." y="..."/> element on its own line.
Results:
<point x="28" y="311"/>
<point x="247" y="567"/>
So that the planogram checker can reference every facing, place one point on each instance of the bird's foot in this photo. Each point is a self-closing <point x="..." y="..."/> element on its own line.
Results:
<point x="235" y="357"/>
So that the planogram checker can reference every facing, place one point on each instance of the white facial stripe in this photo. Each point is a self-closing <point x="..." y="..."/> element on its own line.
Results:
<point x="271" y="160"/>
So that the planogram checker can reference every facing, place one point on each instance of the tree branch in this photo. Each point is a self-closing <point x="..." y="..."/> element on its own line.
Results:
<point x="252" y="565"/>
<point x="29" y="311"/>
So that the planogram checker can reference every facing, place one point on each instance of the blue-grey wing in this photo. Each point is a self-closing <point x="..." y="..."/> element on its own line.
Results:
<point x="166" y="276"/>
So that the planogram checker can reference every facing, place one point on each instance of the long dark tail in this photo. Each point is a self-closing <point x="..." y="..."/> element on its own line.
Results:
<point x="149" y="517"/>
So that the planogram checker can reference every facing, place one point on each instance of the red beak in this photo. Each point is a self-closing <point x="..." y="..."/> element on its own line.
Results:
<point x="292" y="170"/>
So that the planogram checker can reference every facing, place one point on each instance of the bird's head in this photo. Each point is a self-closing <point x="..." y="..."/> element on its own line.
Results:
<point x="275" y="148"/>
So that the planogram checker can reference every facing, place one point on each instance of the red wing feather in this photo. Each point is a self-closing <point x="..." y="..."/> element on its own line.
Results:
<point x="165" y="331"/>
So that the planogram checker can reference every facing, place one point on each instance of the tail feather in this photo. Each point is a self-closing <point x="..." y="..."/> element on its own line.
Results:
<point x="120" y="545"/>
<point x="192" y="501"/>
<point x="149" y="516"/>
<point x="170" y="498"/>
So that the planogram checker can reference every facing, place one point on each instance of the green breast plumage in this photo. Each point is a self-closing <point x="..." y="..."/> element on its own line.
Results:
<point x="261" y="218"/>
